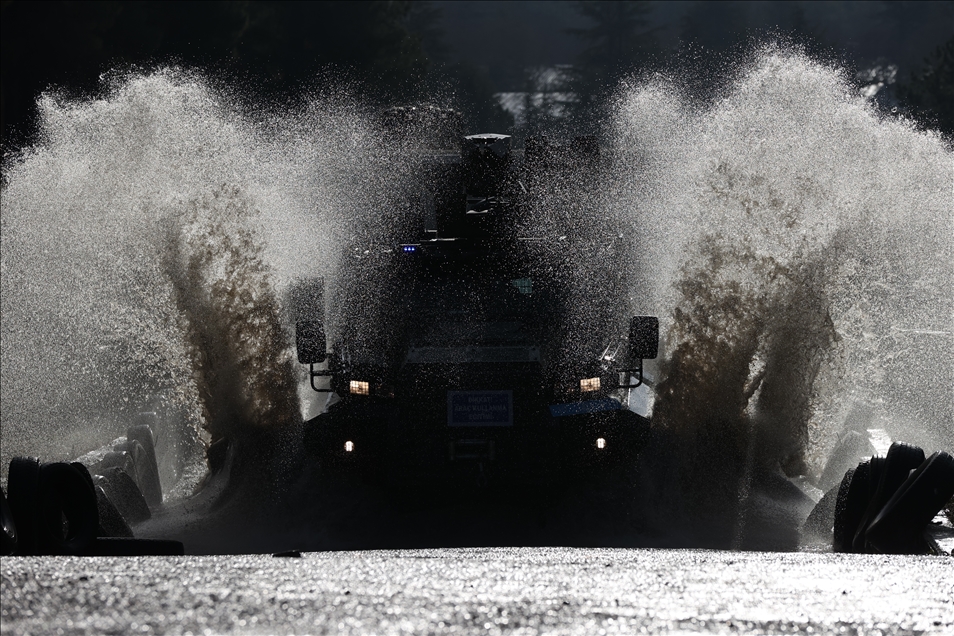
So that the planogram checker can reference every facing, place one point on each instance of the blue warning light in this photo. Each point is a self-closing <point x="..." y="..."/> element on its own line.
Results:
<point x="409" y="249"/>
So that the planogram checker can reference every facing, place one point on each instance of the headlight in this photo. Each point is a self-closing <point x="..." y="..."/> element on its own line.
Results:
<point x="600" y="443"/>
<point x="358" y="387"/>
<point x="349" y="446"/>
<point x="589" y="384"/>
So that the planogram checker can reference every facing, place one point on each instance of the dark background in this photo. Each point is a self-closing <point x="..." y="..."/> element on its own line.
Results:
<point x="464" y="52"/>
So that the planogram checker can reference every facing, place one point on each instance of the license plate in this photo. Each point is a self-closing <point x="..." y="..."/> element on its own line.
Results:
<point x="480" y="408"/>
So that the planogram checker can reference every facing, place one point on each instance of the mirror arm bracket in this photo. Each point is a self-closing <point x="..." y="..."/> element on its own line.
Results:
<point x="638" y="372"/>
<point x="318" y="374"/>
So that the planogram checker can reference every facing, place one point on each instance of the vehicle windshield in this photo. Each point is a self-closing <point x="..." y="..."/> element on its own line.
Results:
<point x="453" y="311"/>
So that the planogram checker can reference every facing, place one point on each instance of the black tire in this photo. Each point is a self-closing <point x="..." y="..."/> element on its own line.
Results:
<point x="898" y="527"/>
<point x="111" y="521"/>
<point x="841" y="505"/>
<point x="149" y="481"/>
<point x="125" y="495"/>
<point x="8" y="528"/>
<point x="875" y="472"/>
<point x="135" y="450"/>
<point x="116" y="459"/>
<point x="901" y="460"/>
<point x="820" y="521"/>
<point x="886" y="479"/>
<point x="23" y="495"/>
<point x="84" y="471"/>
<point x="113" y="546"/>
<point x="66" y="495"/>
<point x="853" y="498"/>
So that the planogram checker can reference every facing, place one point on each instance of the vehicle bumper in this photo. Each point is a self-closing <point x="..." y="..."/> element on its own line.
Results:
<point x="380" y="441"/>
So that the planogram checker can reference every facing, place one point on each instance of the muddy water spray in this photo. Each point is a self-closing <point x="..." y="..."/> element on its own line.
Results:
<point x="147" y="238"/>
<point x="798" y="247"/>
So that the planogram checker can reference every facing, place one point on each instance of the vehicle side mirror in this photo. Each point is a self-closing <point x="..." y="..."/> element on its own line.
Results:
<point x="310" y="341"/>
<point x="305" y="299"/>
<point x="643" y="337"/>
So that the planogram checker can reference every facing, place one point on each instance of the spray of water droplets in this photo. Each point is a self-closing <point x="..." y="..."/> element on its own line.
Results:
<point x="799" y="249"/>
<point x="796" y="245"/>
<point x="147" y="240"/>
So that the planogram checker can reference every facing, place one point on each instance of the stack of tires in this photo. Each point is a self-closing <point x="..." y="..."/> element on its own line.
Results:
<point x="85" y="509"/>
<point x="885" y="504"/>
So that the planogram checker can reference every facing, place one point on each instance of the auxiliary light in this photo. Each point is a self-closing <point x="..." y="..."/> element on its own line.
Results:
<point x="357" y="387"/>
<point x="589" y="384"/>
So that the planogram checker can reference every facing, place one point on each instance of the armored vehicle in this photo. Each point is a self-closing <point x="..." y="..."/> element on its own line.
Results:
<point x="465" y="355"/>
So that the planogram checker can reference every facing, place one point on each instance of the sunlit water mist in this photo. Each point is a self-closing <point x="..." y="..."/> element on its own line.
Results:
<point x="797" y="245"/>
<point x="147" y="239"/>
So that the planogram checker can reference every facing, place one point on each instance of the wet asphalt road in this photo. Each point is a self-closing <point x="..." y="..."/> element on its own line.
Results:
<point x="481" y="591"/>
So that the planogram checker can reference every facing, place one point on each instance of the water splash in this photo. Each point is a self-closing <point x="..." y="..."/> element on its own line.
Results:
<point x="232" y="317"/>
<point x="147" y="238"/>
<point x="798" y="247"/>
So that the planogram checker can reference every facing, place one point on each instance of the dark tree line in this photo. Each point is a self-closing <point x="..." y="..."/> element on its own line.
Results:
<point x="618" y="42"/>
<point x="390" y="51"/>
<point x="621" y="42"/>
<point x="273" y="48"/>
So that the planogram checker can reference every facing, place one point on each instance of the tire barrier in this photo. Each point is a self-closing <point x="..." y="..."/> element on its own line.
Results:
<point x="126" y="501"/>
<point x="95" y="457"/>
<point x="148" y="472"/>
<point x="8" y="529"/>
<point x="111" y="521"/>
<point x="122" y="490"/>
<point x="116" y="459"/>
<point x="23" y="494"/>
<point x="875" y="473"/>
<point x="897" y="465"/>
<point x="850" y="508"/>
<point x="88" y="507"/>
<point x="900" y="524"/>
<point x="821" y="520"/>
<point x="69" y="518"/>
<point x="144" y="471"/>
<point x="84" y="472"/>
<point x="885" y="504"/>
<point x="136" y="457"/>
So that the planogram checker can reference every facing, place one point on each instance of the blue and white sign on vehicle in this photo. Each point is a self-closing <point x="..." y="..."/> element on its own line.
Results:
<point x="480" y="408"/>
